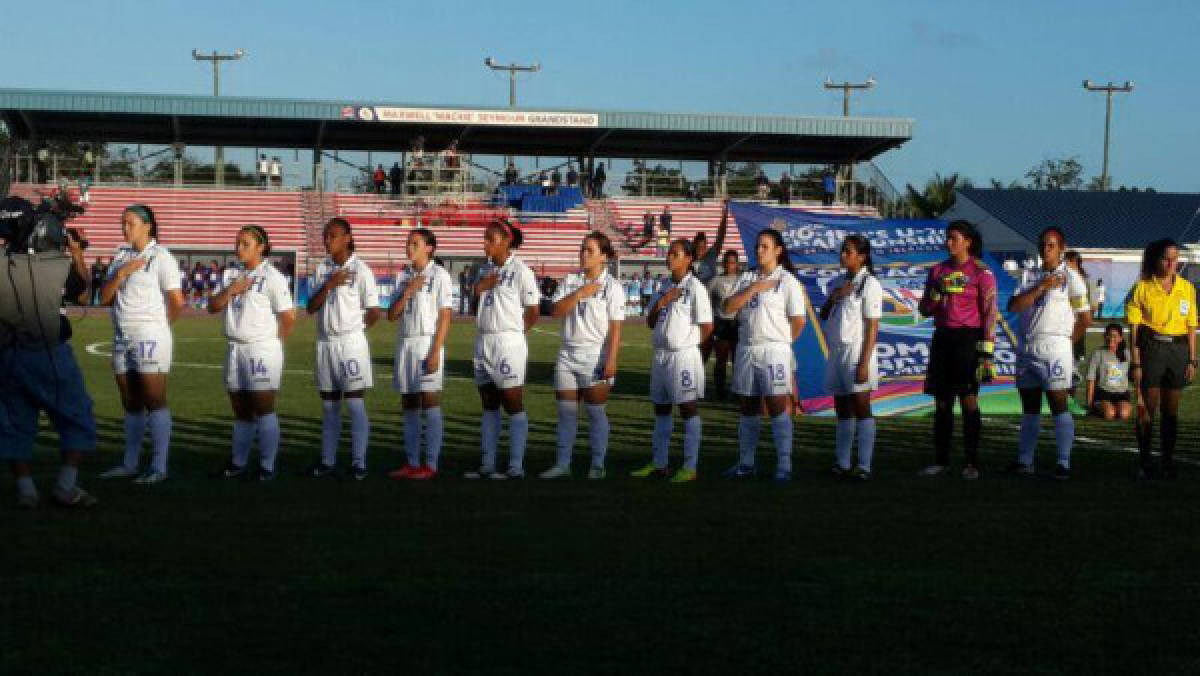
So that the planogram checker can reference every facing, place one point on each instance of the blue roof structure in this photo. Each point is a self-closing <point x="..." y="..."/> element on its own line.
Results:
<point x="1093" y="220"/>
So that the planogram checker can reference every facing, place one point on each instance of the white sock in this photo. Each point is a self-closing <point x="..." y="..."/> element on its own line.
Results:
<point x="1028" y="438"/>
<point x="412" y="436"/>
<point x="866" y="442"/>
<point x="268" y="440"/>
<point x="360" y="431"/>
<point x="159" y="422"/>
<point x="135" y="431"/>
<point x="26" y="487"/>
<point x="693" y="430"/>
<point x="748" y="428"/>
<point x="781" y="429"/>
<point x="331" y="431"/>
<point x="67" y="475"/>
<point x="489" y="437"/>
<point x="568" y="427"/>
<point x="843" y="442"/>
<point x="661" y="441"/>
<point x="1064" y="437"/>
<point x="243" y="439"/>
<point x="433" y="436"/>
<point x="518" y="433"/>
<point x="598" y="433"/>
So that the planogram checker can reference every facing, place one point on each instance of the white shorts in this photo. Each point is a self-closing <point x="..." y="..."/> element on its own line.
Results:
<point x="1046" y="363"/>
<point x="677" y="377"/>
<point x="254" y="367"/>
<point x="841" y="370"/>
<point x="580" y="369"/>
<point x="145" y="349"/>
<point x="763" y="370"/>
<point x="408" y="368"/>
<point x="500" y="359"/>
<point x="344" y="364"/>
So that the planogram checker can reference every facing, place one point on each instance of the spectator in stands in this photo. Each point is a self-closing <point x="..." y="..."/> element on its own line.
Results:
<point x="647" y="229"/>
<point x="264" y="171"/>
<point x="585" y="181"/>
<point x="510" y="174"/>
<point x="1098" y="299"/>
<point x="663" y="241"/>
<point x="785" y="189"/>
<point x="450" y="161"/>
<point x="706" y="257"/>
<point x="693" y="193"/>
<point x="664" y="220"/>
<point x="648" y="287"/>
<point x="828" y="187"/>
<point x="214" y="279"/>
<point x="556" y="179"/>
<point x="42" y="163"/>
<point x="598" y="180"/>
<point x="277" y="173"/>
<point x="199" y="284"/>
<point x="379" y="178"/>
<point x="396" y="176"/>
<point x="99" y="272"/>
<point x="544" y="181"/>
<point x="762" y="184"/>
<point x="572" y="176"/>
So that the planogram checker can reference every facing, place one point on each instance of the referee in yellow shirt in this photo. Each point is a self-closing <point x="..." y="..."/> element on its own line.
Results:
<point x="1161" y="311"/>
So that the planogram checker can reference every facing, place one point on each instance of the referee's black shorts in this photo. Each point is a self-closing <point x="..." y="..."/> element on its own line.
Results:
<point x="1164" y="359"/>
<point x="726" y="329"/>
<point x="953" y="363"/>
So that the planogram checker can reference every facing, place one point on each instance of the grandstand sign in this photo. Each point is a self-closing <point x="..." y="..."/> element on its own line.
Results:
<point x="520" y="118"/>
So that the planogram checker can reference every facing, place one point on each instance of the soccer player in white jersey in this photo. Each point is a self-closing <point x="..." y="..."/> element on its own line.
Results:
<point x="422" y="308"/>
<point x="1053" y="304"/>
<point x="346" y="302"/>
<point x="681" y="318"/>
<point x="259" y="316"/>
<point x="144" y="291"/>
<point x="508" y="308"/>
<point x="851" y="313"/>
<point x="592" y="306"/>
<point x="770" y="307"/>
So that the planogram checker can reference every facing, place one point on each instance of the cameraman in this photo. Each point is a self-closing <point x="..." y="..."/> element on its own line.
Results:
<point x="38" y="371"/>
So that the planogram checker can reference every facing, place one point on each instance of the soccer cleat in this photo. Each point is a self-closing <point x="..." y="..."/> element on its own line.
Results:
<point x="405" y="472"/>
<point x="74" y="498"/>
<point x="649" y="472"/>
<point x="510" y="473"/>
<point x="970" y="473"/>
<point x="556" y="472"/>
<point x="28" y="501"/>
<point x="264" y="474"/>
<point x="840" y="472"/>
<point x="423" y="473"/>
<point x="597" y="473"/>
<point x="740" y="471"/>
<point x="782" y="476"/>
<point x="1019" y="468"/>
<point x="231" y="471"/>
<point x="933" y="470"/>
<point x="481" y="473"/>
<point x="118" y="472"/>
<point x="319" y="469"/>
<point x="358" y="472"/>
<point x="1062" y="473"/>
<point x="860" y="474"/>
<point x="684" y="475"/>
<point x="150" y="476"/>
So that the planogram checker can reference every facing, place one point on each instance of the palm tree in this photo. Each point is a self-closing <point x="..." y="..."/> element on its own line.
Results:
<point x="937" y="197"/>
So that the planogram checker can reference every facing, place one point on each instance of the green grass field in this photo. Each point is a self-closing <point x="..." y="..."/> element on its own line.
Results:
<point x="299" y="575"/>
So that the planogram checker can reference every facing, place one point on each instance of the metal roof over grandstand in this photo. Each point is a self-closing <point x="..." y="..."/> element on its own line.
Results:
<point x="357" y="125"/>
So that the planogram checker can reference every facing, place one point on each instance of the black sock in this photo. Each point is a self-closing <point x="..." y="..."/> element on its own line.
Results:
<point x="972" y="431"/>
<point x="1168" y="431"/>
<point x="943" y="429"/>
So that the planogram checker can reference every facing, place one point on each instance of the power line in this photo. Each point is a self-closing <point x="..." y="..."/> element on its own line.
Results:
<point x="216" y="58"/>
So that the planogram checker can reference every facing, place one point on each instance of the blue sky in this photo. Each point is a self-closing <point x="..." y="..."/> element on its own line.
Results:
<point x="994" y="87"/>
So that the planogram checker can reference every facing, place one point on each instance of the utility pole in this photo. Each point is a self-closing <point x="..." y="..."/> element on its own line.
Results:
<point x="1108" y="90"/>
<point x="512" y="70"/>
<point x="216" y="59"/>
<point x="846" y="88"/>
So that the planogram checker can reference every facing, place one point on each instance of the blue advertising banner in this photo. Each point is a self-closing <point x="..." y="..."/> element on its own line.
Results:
<point x="902" y="252"/>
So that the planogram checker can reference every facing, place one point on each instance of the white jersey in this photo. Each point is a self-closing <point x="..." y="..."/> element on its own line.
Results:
<point x="587" y="325"/>
<point x="502" y="307"/>
<point x="420" y="316"/>
<point x="1054" y="312"/>
<point x="250" y="317"/>
<point x="766" y="318"/>
<point x="678" y="324"/>
<point x="342" y="313"/>
<point x="845" y="324"/>
<point x="139" y="300"/>
<point x="720" y="288"/>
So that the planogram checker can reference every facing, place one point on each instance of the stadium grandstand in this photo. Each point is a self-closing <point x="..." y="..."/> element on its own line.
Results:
<point x="447" y="182"/>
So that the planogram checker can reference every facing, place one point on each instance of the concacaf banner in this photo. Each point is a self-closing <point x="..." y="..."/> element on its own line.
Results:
<point x="902" y="252"/>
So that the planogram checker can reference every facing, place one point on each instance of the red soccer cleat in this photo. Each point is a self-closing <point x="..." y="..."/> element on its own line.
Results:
<point x="405" y="472"/>
<point x="424" y="472"/>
